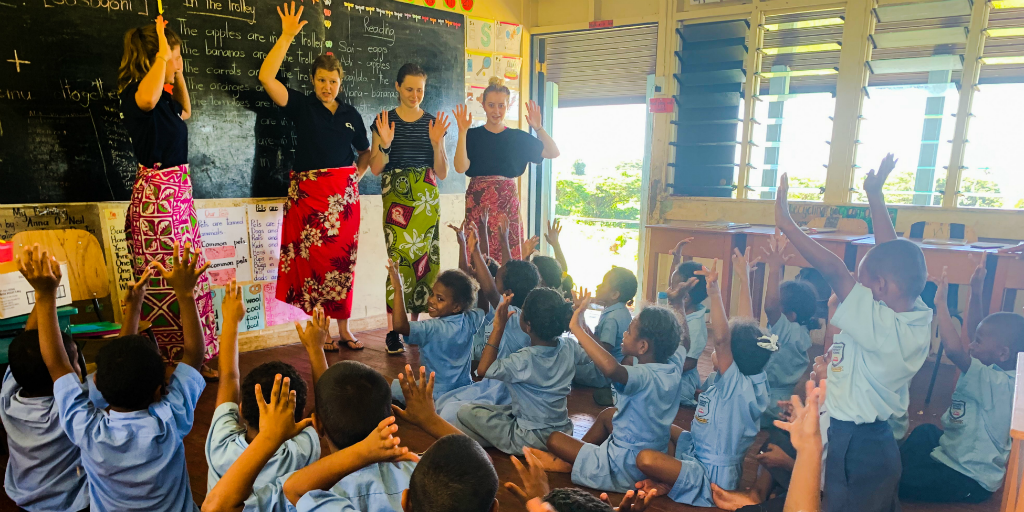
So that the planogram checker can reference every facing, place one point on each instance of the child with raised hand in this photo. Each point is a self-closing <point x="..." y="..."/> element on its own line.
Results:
<point x="729" y="410"/>
<point x="236" y="418"/>
<point x="805" y="433"/>
<point x="446" y="339"/>
<point x="886" y="331"/>
<point x="538" y="377"/>
<point x="691" y="304"/>
<point x="965" y="461"/>
<point x="648" y="393"/>
<point x="790" y="307"/>
<point x="133" y="455"/>
<point x="615" y="292"/>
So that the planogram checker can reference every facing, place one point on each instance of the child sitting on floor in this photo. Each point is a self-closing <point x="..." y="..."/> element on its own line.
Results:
<point x="538" y="377"/>
<point x="648" y="396"/>
<point x="687" y="291"/>
<point x="790" y="307"/>
<point x="965" y="461"/>
<point x="236" y="418"/>
<point x="616" y="291"/>
<point x="446" y="340"/>
<point x="132" y="454"/>
<point x="729" y="410"/>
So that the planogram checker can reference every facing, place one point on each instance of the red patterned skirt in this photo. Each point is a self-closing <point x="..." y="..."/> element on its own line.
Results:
<point x="319" y="241"/>
<point x="162" y="212"/>
<point x="498" y="196"/>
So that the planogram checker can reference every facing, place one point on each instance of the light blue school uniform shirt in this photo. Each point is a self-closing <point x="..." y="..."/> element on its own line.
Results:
<point x="787" y="365"/>
<point x="698" y="342"/>
<point x="225" y="442"/>
<point x="133" y="460"/>
<point x="727" y="419"/>
<point x="44" y="469"/>
<point x="482" y="335"/>
<point x="377" y="487"/>
<point x="646" y="406"/>
<point x="875" y="357"/>
<point x="446" y="348"/>
<point x="614" y="321"/>
<point x="976" y="427"/>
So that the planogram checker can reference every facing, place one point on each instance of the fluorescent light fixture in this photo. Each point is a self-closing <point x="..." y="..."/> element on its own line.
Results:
<point x="928" y="37"/>
<point x="1005" y="32"/>
<point x="799" y="72"/>
<point x="807" y="48"/>
<point x="823" y="22"/>
<point x="924" y="10"/>
<point x="917" y="64"/>
<point x="1007" y="4"/>
<point x="1015" y="59"/>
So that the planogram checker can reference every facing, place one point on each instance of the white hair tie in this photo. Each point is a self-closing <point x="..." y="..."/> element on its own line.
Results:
<point x="772" y="345"/>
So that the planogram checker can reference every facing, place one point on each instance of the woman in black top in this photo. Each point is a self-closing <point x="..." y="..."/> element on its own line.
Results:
<point x="161" y="211"/>
<point x="408" y="147"/>
<point x="320" y="234"/>
<point x="492" y="155"/>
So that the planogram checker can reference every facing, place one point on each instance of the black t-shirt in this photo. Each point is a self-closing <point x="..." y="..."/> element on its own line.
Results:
<point x="158" y="136"/>
<point x="411" y="146"/>
<point x="325" y="139"/>
<point x="501" y="154"/>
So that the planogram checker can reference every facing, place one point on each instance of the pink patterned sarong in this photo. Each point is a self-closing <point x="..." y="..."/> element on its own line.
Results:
<point x="499" y="197"/>
<point x="162" y="211"/>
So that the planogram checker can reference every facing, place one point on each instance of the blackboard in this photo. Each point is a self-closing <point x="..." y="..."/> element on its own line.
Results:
<point x="61" y="137"/>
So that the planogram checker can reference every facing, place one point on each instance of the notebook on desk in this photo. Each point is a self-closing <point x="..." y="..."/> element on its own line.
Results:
<point x="722" y="225"/>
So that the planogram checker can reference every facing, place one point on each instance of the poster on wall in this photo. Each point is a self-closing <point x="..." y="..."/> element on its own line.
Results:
<point x="117" y="247"/>
<point x="265" y="239"/>
<point x="474" y="93"/>
<point x="510" y="38"/>
<point x="479" y="68"/>
<point x="508" y="68"/>
<point x="479" y="35"/>
<point x="225" y="244"/>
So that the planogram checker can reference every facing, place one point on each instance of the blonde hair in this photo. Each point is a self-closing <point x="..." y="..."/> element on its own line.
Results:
<point x="495" y="84"/>
<point x="328" y="63"/>
<point x="140" y="47"/>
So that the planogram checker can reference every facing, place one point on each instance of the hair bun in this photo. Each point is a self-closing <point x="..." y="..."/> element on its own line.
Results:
<point x="496" y="81"/>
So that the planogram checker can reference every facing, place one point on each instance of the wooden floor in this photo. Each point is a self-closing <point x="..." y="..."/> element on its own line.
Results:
<point x="581" y="407"/>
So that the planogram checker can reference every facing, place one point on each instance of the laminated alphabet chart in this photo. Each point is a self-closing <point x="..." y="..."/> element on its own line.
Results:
<point x="225" y="244"/>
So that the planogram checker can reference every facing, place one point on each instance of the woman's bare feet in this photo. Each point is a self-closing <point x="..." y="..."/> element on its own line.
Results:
<point x="549" y="462"/>
<point x="345" y="336"/>
<point x="733" y="500"/>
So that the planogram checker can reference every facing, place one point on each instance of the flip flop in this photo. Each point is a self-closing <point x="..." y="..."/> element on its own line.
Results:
<point x="331" y="346"/>
<point x="209" y="374"/>
<point x="349" y="343"/>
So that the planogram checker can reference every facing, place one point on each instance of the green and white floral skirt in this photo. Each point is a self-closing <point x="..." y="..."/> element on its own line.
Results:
<point x="411" y="223"/>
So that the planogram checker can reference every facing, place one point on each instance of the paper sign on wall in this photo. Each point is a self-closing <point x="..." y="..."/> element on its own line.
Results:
<point x="510" y="38"/>
<point x="479" y="34"/>
<point x="277" y="312"/>
<point x="662" y="105"/>
<point x="479" y="68"/>
<point x="118" y="245"/>
<point x="508" y="68"/>
<point x="476" y="109"/>
<point x="252" y="301"/>
<point x="265" y="239"/>
<point x="225" y="244"/>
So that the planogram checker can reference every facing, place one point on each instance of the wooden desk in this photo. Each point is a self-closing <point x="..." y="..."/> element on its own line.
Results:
<point x="1013" y="501"/>
<point x="960" y="260"/>
<point x="1009" y="275"/>
<point x="707" y="243"/>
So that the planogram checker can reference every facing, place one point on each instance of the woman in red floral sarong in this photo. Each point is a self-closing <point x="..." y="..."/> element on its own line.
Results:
<point x="320" y="235"/>
<point x="492" y="156"/>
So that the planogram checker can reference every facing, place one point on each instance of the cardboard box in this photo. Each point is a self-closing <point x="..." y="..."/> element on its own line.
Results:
<point x="17" y="296"/>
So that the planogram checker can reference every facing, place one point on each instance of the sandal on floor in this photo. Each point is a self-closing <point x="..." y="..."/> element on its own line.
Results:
<point x="331" y="346"/>
<point x="209" y="374"/>
<point x="353" y="344"/>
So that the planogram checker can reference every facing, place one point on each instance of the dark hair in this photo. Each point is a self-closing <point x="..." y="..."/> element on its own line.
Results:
<point x="660" y="328"/>
<point x="569" y="499"/>
<point x="900" y="261"/>
<point x="462" y="287"/>
<point x="409" y="69"/>
<point x="264" y="375"/>
<point x="688" y="269"/>
<point x="495" y="84"/>
<point x="520" y="278"/>
<point x="27" y="365"/>
<point x="550" y="271"/>
<point x="623" y="281"/>
<point x="129" y="372"/>
<point x="547" y="312"/>
<point x="1011" y="330"/>
<point x="799" y="298"/>
<point x="821" y="287"/>
<point x="351" y="399"/>
<point x="492" y="265"/>
<point x="454" y="475"/>
<point x="328" y="63"/>
<point x="744" y="333"/>
<point x="140" y="48"/>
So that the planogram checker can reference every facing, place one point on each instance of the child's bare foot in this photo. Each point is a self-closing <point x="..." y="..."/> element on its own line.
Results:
<point x="651" y="485"/>
<point x="733" y="500"/>
<point x="549" y="462"/>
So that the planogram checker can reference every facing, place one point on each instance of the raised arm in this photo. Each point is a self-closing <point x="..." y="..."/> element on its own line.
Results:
<point x="506" y="251"/>
<point x="776" y="256"/>
<point x="552" y="236"/>
<point x="976" y="307"/>
<point x="182" y="277"/>
<point x="951" y="341"/>
<point x="490" y="352"/>
<point x="383" y="136"/>
<point x="313" y="338"/>
<point x="463" y="119"/>
<point x="832" y="267"/>
<point x="460" y="237"/>
<point x="603" y="360"/>
<point x="719" y="335"/>
<point x="133" y="304"/>
<point x="533" y="118"/>
<point x="675" y="296"/>
<point x="151" y="87"/>
<point x="438" y="128"/>
<point x="873" y="185"/>
<point x="677" y="253"/>
<point x="805" y="434"/>
<point x="741" y="264"/>
<point x="233" y="312"/>
<point x="399" y="320"/>
<point x="419" y="404"/>
<point x="290" y="27"/>
<point x="43" y="272"/>
<point x="489" y="293"/>
<point x="180" y="95"/>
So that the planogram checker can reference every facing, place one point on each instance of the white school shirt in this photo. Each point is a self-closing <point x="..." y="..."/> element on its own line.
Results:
<point x="225" y="442"/>
<point x="44" y="470"/>
<point x="976" y="427"/>
<point x="875" y="357"/>
<point x="698" y="332"/>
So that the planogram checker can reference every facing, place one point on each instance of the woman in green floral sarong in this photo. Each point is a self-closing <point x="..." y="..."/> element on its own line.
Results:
<point x="408" y="147"/>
